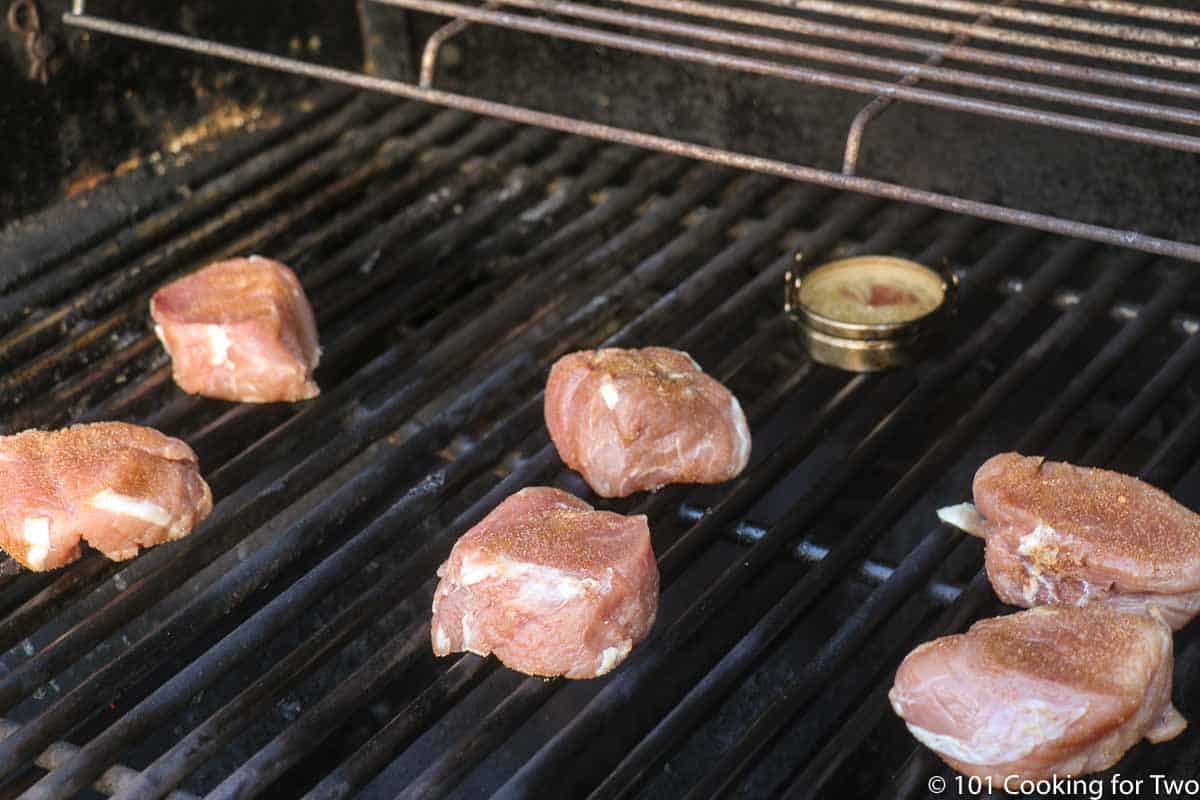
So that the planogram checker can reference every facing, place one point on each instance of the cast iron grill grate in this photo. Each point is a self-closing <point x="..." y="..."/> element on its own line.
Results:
<point x="283" y="649"/>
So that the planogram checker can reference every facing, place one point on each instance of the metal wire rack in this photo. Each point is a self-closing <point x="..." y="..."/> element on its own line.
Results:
<point x="1106" y="68"/>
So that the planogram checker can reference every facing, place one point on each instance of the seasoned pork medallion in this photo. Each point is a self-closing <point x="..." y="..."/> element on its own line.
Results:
<point x="1058" y="690"/>
<point x="118" y="487"/>
<point x="550" y="585"/>
<point x="636" y="420"/>
<point x="239" y="330"/>
<point x="1057" y="533"/>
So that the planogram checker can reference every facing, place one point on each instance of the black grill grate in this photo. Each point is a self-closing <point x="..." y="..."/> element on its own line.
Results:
<point x="283" y="648"/>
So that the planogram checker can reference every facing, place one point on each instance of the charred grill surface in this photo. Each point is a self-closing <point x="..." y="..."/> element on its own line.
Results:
<point x="282" y="650"/>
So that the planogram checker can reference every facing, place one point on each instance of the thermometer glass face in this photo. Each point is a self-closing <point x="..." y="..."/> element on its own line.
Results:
<point x="868" y="291"/>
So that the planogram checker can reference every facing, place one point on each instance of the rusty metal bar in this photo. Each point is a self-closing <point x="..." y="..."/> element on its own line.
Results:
<point x="814" y="77"/>
<point x="1129" y="33"/>
<point x="1177" y="16"/>
<point x="114" y="779"/>
<point x="808" y="51"/>
<point x="872" y="38"/>
<point x="996" y="213"/>
<point x="872" y="110"/>
<point x="922" y="22"/>
<point x="434" y="46"/>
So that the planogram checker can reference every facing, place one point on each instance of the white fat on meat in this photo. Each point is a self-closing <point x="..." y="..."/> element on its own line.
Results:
<point x="965" y="517"/>
<point x="441" y="642"/>
<point x="740" y="430"/>
<point x="37" y="535"/>
<point x="1028" y="725"/>
<point x="537" y="583"/>
<point x="611" y="656"/>
<point x="218" y="345"/>
<point x="116" y="503"/>
<point x="609" y="393"/>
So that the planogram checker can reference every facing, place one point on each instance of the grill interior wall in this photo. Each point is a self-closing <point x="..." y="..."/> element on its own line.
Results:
<point x="284" y="647"/>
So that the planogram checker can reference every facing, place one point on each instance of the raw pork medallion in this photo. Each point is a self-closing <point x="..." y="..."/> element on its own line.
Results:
<point x="637" y="420"/>
<point x="118" y="487"/>
<point x="1057" y="533"/>
<point x="239" y="330"/>
<point x="550" y="585"/>
<point x="1055" y="691"/>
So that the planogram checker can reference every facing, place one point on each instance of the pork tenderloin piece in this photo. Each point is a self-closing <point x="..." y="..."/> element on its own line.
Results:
<point x="1058" y="690"/>
<point x="637" y="420"/>
<point x="550" y="585"/>
<point x="1057" y="533"/>
<point x="119" y="487"/>
<point x="239" y="330"/>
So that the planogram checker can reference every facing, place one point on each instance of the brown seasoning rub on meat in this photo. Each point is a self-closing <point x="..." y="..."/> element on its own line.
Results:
<point x="1058" y="690"/>
<point x="119" y="487"/>
<point x="549" y="585"/>
<point x="1057" y="533"/>
<point x="637" y="420"/>
<point x="239" y="330"/>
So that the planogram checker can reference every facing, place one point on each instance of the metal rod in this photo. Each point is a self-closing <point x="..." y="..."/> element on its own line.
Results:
<point x="875" y="572"/>
<point x="809" y="51"/>
<point x="434" y="45"/>
<point x="1138" y="10"/>
<point x="1182" y="250"/>
<point x="1128" y="33"/>
<point x="871" y="38"/>
<point x="791" y="72"/>
<point x="877" y="106"/>
<point x="1057" y="44"/>
<point x="112" y="781"/>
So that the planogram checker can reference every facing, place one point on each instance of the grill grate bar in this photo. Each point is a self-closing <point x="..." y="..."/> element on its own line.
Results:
<point x="229" y="187"/>
<point x="1019" y="38"/>
<point x="30" y="258"/>
<point x="875" y="572"/>
<point x="796" y="49"/>
<point x="111" y="782"/>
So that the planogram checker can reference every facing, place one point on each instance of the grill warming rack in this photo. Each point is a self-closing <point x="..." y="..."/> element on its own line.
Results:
<point x="1145" y="49"/>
